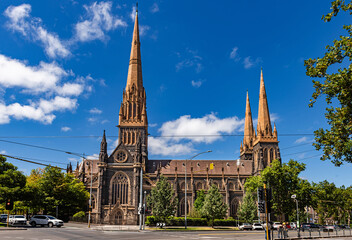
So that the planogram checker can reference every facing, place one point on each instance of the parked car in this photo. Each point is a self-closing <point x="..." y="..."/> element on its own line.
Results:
<point x="277" y="225"/>
<point x="17" y="220"/>
<point x="257" y="226"/>
<point x="3" y="218"/>
<point x="45" y="220"/>
<point x="330" y="228"/>
<point x="293" y="225"/>
<point x="245" y="226"/>
<point x="306" y="226"/>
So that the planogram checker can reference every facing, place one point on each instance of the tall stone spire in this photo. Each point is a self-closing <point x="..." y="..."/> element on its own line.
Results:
<point x="246" y="148"/>
<point x="133" y="122"/>
<point x="103" y="155"/>
<point x="135" y="67"/>
<point x="264" y="124"/>
<point x="249" y="133"/>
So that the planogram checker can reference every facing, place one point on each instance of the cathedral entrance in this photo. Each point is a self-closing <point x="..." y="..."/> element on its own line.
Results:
<point x="118" y="220"/>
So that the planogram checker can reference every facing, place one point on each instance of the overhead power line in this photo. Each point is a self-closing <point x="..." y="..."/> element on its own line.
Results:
<point x="24" y="160"/>
<point x="159" y="136"/>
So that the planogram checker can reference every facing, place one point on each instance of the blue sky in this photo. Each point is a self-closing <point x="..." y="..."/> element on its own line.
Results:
<point x="63" y="66"/>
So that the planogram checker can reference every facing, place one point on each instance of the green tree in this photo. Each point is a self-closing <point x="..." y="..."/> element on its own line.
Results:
<point x="214" y="206"/>
<point x="162" y="200"/>
<point x="284" y="180"/>
<point x="247" y="211"/>
<point x="332" y="75"/>
<point x="50" y="188"/>
<point x="12" y="181"/>
<point x="198" y="204"/>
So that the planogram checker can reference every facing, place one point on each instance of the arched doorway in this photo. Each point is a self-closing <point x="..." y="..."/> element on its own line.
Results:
<point x="118" y="219"/>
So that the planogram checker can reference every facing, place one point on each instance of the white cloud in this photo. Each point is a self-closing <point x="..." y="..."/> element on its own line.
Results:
<point x="100" y="19"/>
<point x="143" y="29"/>
<point x="301" y="140"/>
<point x="161" y="146"/>
<point x="94" y="25"/>
<point x="44" y="78"/>
<point x="32" y="28"/>
<point x="197" y="84"/>
<point x="248" y="62"/>
<point x="93" y="156"/>
<point x="65" y="129"/>
<point x="192" y="59"/>
<point x="208" y="125"/>
<point x="234" y="54"/>
<point x="154" y="8"/>
<point x="3" y="152"/>
<point x="152" y="124"/>
<point x="95" y="111"/>
<point x="133" y="14"/>
<point x="41" y="111"/>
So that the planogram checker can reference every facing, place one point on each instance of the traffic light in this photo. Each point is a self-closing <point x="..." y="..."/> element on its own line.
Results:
<point x="261" y="206"/>
<point x="9" y="204"/>
<point x="260" y="194"/>
<point x="268" y="199"/>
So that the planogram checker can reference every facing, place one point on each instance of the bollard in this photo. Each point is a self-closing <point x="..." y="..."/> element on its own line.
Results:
<point x="336" y="231"/>
<point x="328" y="232"/>
<point x="319" y="233"/>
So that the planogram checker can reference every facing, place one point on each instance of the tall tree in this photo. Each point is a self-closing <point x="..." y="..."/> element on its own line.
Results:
<point x="199" y="202"/>
<point x="283" y="179"/>
<point x="247" y="211"/>
<point x="332" y="75"/>
<point x="162" y="200"/>
<point x="50" y="188"/>
<point x="214" y="206"/>
<point x="12" y="181"/>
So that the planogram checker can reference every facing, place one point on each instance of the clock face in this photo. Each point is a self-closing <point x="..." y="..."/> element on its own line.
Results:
<point x="121" y="156"/>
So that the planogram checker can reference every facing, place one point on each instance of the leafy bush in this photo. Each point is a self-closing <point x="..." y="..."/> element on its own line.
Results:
<point x="224" y="222"/>
<point x="79" y="217"/>
<point x="178" y="221"/>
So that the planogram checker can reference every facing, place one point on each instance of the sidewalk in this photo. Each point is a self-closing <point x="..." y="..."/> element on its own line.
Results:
<point x="101" y="227"/>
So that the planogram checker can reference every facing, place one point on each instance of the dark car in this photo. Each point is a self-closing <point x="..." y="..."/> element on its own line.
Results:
<point x="3" y="218"/>
<point x="309" y="226"/>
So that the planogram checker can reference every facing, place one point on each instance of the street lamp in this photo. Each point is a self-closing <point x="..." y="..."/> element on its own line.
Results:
<point x="294" y="198"/>
<point x="186" y="183"/>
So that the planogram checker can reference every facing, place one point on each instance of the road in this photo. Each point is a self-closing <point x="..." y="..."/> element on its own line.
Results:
<point x="84" y="233"/>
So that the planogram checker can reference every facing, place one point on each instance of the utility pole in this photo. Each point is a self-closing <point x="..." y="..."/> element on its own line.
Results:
<point x="298" y="227"/>
<point x="90" y="191"/>
<point x="141" y="200"/>
<point x="145" y="196"/>
<point x="266" y="213"/>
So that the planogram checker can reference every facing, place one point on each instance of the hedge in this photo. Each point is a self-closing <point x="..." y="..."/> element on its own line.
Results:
<point x="180" y="221"/>
<point x="79" y="217"/>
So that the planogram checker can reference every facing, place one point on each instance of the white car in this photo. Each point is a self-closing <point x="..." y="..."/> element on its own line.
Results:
<point x="45" y="220"/>
<point x="293" y="225"/>
<point x="17" y="220"/>
<point x="277" y="225"/>
<point x="257" y="226"/>
<point x="245" y="226"/>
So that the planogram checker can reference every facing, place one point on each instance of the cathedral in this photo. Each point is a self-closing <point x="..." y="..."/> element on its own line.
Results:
<point x="116" y="178"/>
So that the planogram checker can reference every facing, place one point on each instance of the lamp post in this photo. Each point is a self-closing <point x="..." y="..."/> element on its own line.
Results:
<point x="186" y="183"/>
<point x="294" y="198"/>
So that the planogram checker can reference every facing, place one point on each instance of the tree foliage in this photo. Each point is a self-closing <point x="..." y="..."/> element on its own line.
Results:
<point x="50" y="187"/>
<point x="284" y="181"/>
<point x="332" y="75"/>
<point x="214" y="206"/>
<point x="247" y="211"/>
<point x="162" y="200"/>
<point x="12" y="181"/>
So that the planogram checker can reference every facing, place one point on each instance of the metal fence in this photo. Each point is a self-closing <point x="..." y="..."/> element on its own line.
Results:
<point x="309" y="233"/>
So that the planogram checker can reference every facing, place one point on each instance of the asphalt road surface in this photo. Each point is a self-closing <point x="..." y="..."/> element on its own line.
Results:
<point x="84" y="233"/>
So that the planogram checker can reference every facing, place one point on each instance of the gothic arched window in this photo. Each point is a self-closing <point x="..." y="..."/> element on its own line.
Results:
<point x="271" y="155"/>
<point x="182" y="207"/>
<point x="199" y="186"/>
<point x="233" y="208"/>
<point x="119" y="188"/>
